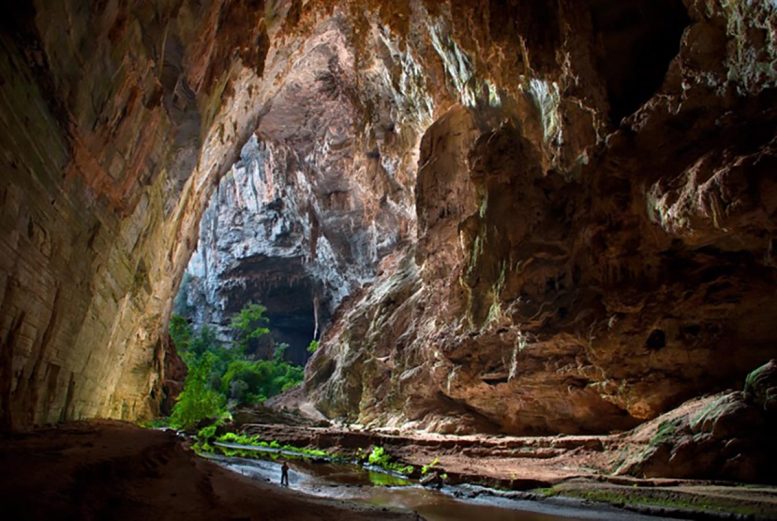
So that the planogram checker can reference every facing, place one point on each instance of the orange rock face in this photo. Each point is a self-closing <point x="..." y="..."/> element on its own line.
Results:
<point x="581" y="195"/>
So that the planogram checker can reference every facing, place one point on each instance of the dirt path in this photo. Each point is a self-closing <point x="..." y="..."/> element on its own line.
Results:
<point x="114" y="470"/>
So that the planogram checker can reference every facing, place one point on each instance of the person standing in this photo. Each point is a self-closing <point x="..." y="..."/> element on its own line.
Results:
<point x="284" y="474"/>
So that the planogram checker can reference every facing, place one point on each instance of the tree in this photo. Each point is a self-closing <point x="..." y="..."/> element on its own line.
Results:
<point x="223" y="376"/>
<point x="198" y="400"/>
<point x="180" y="332"/>
<point x="249" y="323"/>
<point x="279" y="351"/>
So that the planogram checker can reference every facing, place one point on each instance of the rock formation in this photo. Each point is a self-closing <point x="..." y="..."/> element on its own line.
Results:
<point x="534" y="216"/>
<point x="726" y="436"/>
<point x="575" y="271"/>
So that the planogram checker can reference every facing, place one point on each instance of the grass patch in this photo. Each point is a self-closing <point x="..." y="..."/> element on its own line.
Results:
<point x="545" y="492"/>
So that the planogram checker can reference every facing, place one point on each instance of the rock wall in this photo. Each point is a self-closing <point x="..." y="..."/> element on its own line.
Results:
<point x="119" y="120"/>
<point x="321" y="193"/>
<point x="109" y="119"/>
<point x="568" y="206"/>
<point x="575" y="271"/>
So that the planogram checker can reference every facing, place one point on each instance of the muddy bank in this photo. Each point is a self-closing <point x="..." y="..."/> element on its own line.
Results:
<point x="113" y="470"/>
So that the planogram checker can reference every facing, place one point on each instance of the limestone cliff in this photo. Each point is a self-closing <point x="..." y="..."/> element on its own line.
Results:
<point x="568" y="207"/>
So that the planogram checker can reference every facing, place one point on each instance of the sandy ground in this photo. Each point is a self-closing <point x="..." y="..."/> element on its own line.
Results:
<point x="114" y="470"/>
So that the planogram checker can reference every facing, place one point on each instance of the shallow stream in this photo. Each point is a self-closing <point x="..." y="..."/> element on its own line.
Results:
<point x="354" y="483"/>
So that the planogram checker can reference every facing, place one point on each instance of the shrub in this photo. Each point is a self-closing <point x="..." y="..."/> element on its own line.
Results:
<point x="380" y="458"/>
<point x="430" y="466"/>
<point x="249" y="323"/>
<point x="253" y="381"/>
<point x="313" y="346"/>
<point x="198" y="400"/>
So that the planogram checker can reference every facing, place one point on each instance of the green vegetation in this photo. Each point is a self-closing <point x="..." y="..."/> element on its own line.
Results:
<point x="249" y="323"/>
<point x="380" y="458"/>
<point x="429" y="466"/>
<point x="313" y="346"/>
<point x="255" y="441"/>
<point x="665" y="432"/>
<point x="222" y="377"/>
<point x="249" y="382"/>
<point x="242" y="439"/>
<point x="545" y="491"/>
<point x="263" y="449"/>
<point x="197" y="400"/>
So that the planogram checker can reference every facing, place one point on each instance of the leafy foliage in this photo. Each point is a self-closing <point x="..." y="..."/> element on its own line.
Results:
<point x="197" y="400"/>
<point x="380" y="458"/>
<point x="221" y="377"/>
<point x="250" y="323"/>
<point x="242" y="439"/>
<point x="180" y="332"/>
<point x="247" y="381"/>
<point x="313" y="346"/>
<point x="255" y="441"/>
<point x="279" y="351"/>
<point x="426" y="468"/>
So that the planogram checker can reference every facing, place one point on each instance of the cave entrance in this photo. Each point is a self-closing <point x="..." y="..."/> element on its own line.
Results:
<point x="321" y="191"/>
<point x="254" y="247"/>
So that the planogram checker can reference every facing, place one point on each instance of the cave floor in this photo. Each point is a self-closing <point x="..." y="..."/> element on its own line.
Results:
<point x="114" y="470"/>
<point x="536" y="467"/>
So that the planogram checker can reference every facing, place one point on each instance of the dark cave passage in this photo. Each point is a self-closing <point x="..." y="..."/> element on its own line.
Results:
<point x="636" y="40"/>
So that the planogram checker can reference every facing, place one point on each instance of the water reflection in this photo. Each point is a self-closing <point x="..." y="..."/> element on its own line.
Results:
<point x="357" y="484"/>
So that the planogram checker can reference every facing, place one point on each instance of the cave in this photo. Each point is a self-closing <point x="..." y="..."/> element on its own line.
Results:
<point x="514" y="228"/>
<point x="255" y="246"/>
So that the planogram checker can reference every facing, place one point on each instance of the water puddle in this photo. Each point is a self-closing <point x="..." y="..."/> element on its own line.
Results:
<point x="450" y="503"/>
